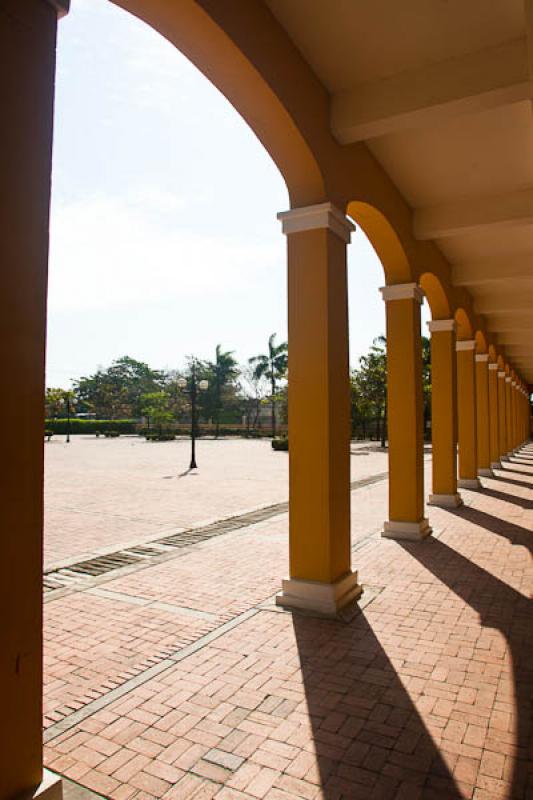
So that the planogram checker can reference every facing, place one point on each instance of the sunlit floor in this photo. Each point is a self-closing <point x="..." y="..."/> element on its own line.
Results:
<point x="107" y="493"/>
<point x="177" y="677"/>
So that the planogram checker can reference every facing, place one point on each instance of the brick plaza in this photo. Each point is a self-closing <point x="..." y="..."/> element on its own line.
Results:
<point x="178" y="677"/>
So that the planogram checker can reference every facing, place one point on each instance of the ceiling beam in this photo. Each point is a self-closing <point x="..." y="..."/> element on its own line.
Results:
<point x="512" y="338"/>
<point x="510" y="322"/>
<point x="501" y="302"/>
<point x="525" y="348"/>
<point x="518" y="266"/>
<point x="474" y="82"/>
<point x="468" y="214"/>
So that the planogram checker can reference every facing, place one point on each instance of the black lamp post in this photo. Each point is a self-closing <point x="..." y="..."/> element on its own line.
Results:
<point x="71" y="406"/>
<point x="191" y="387"/>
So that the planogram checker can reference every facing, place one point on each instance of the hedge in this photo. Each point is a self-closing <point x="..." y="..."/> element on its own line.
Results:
<point x="90" y="425"/>
<point x="280" y="444"/>
<point x="209" y="431"/>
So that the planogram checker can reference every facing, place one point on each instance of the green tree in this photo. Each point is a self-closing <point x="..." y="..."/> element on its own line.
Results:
<point x="272" y="366"/>
<point x="52" y="401"/>
<point x="223" y="372"/>
<point x="252" y="392"/>
<point x="156" y="406"/>
<point x="426" y="381"/>
<point x="117" y="391"/>
<point x="369" y="384"/>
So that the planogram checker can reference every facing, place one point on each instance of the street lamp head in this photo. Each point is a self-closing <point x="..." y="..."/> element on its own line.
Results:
<point x="182" y="383"/>
<point x="203" y="385"/>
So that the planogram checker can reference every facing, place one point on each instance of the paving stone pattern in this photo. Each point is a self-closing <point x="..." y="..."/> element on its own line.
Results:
<point x="426" y="693"/>
<point x="102" y="495"/>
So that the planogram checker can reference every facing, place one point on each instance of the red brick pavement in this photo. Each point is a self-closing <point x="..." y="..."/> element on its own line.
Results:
<point x="424" y="694"/>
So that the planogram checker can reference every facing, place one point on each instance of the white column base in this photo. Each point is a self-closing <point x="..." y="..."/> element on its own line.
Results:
<point x="411" y="531"/>
<point x="469" y="483"/>
<point x="485" y="473"/>
<point x="50" y="788"/>
<point x="446" y="500"/>
<point x="505" y="458"/>
<point x="326" y="599"/>
<point x="495" y="465"/>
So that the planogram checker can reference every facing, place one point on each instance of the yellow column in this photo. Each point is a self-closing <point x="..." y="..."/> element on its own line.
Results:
<point x="494" y="422"/>
<point x="28" y="42"/>
<point x="526" y="415"/>
<point x="518" y="438"/>
<point x="444" y="413"/>
<point x="508" y="416"/>
<point x="502" y="416"/>
<point x="522" y="415"/>
<point x="514" y="414"/>
<point x="466" y="405"/>
<point x="405" y="413"/>
<point x="321" y="578"/>
<point x="482" y="415"/>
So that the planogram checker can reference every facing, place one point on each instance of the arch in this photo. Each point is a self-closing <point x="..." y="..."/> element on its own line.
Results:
<point x="501" y="362"/>
<point x="465" y="329"/>
<point x="493" y="355"/>
<point x="204" y="42"/>
<point x="481" y="342"/>
<point x="437" y="296"/>
<point x="384" y="240"/>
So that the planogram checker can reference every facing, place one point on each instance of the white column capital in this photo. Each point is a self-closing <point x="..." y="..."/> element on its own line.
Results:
<point x="402" y="291"/>
<point x="438" y="325"/>
<point x="482" y="357"/>
<point x="465" y="344"/>
<point x="322" y="215"/>
<point x="507" y="379"/>
<point x="61" y="6"/>
<point x="493" y="365"/>
<point x="513" y="383"/>
<point x="501" y="373"/>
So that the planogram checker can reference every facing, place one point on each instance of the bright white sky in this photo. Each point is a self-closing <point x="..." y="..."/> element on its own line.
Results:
<point x="164" y="238"/>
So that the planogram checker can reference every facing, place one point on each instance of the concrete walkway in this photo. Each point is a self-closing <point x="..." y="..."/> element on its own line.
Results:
<point x="181" y="679"/>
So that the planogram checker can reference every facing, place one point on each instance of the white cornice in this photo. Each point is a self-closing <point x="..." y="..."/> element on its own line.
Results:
<point x="438" y="325"/>
<point x="323" y="215"/>
<point x="402" y="291"/>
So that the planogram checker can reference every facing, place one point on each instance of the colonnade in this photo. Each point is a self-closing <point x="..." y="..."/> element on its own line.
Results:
<point x="480" y="412"/>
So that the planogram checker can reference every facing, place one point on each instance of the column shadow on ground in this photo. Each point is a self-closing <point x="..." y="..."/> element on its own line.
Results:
<point x="370" y="741"/>
<point x="507" y="497"/>
<point x="525" y="484"/>
<point x="513" y="470"/>
<point x="516" y="534"/>
<point x="504" y="609"/>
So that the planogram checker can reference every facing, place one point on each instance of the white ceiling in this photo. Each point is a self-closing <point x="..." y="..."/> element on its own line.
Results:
<point x="441" y="91"/>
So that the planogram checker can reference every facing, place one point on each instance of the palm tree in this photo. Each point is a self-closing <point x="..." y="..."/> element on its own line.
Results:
<point x="272" y="366"/>
<point x="224" y="370"/>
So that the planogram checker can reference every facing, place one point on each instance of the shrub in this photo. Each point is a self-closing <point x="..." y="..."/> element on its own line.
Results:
<point x="94" y="426"/>
<point x="280" y="444"/>
<point x="48" y="434"/>
<point x="111" y="434"/>
<point x="164" y="436"/>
